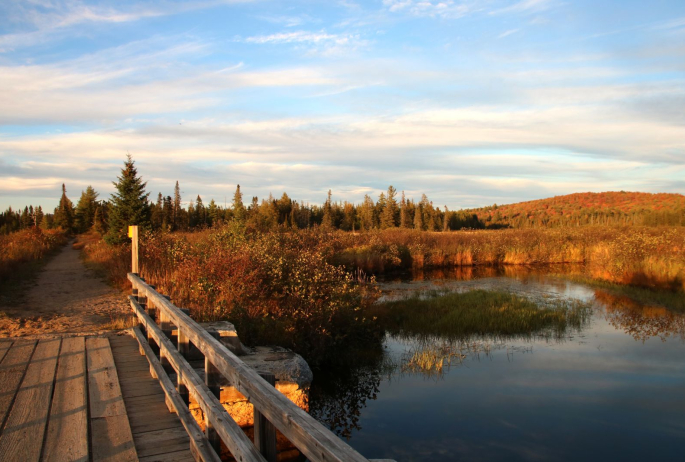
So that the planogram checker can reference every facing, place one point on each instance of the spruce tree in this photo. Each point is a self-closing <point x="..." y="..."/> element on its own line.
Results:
<point x="418" y="219"/>
<point x="327" y="220"/>
<point x="177" y="207"/>
<point x="390" y="210"/>
<point x="129" y="204"/>
<point x="238" y="207"/>
<point x="64" y="213"/>
<point x="85" y="210"/>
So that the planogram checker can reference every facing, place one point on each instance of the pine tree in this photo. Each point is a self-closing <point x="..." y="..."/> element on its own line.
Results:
<point x="177" y="207"/>
<point x="25" y="218"/>
<point x="418" y="219"/>
<point x="38" y="217"/>
<point x="85" y="210"/>
<point x="366" y="213"/>
<point x="404" y="219"/>
<point x="238" y="207"/>
<point x="327" y="220"/>
<point x="390" y="210"/>
<point x="129" y="204"/>
<point x="64" y="213"/>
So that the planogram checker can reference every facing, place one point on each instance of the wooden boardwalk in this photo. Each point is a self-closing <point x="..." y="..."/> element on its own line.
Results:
<point x="83" y="399"/>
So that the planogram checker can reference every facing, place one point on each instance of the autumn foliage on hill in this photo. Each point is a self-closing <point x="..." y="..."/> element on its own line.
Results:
<point x="581" y="209"/>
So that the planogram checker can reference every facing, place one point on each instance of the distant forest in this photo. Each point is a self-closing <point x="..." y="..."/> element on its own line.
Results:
<point x="390" y="210"/>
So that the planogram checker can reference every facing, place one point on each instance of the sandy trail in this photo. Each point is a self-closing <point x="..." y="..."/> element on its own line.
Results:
<point x="66" y="298"/>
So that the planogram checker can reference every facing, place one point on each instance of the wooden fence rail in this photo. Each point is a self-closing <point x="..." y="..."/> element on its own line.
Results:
<point x="314" y="440"/>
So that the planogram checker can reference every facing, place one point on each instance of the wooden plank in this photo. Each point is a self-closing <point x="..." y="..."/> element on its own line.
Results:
<point x="23" y="434"/>
<point x="103" y="383"/>
<point x="112" y="440"/>
<point x="199" y="443"/>
<point x="12" y="371"/>
<point x="67" y="437"/>
<point x="178" y="456"/>
<point x="314" y="440"/>
<point x="111" y="435"/>
<point x="4" y="348"/>
<point x="231" y="434"/>
<point x="161" y="441"/>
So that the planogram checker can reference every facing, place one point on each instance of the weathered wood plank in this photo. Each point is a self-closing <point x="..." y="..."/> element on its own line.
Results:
<point x="161" y="441"/>
<point x="111" y="437"/>
<point x="4" y="348"/>
<point x="112" y="440"/>
<point x="29" y="415"/>
<point x="103" y="383"/>
<point x="231" y="434"/>
<point x="12" y="371"/>
<point x="178" y="456"/>
<point x="308" y="435"/>
<point x="67" y="437"/>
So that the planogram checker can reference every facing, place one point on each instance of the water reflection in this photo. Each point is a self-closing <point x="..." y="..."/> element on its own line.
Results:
<point x="337" y="397"/>
<point x="590" y="393"/>
<point x="639" y="321"/>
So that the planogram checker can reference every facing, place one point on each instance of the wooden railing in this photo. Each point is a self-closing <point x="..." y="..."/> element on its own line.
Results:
<point x="315" y="441"/>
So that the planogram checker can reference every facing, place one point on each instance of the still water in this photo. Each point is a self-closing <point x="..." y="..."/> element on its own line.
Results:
<point x="613" y="390"/>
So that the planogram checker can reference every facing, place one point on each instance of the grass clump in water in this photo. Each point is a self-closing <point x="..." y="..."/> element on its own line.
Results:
<point x="479" y="313"/>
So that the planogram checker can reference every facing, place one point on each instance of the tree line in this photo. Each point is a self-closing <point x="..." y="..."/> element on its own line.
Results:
<point x="131" y="204"/>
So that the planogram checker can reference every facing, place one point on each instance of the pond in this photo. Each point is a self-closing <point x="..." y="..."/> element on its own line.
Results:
<point x="613" y="389"/>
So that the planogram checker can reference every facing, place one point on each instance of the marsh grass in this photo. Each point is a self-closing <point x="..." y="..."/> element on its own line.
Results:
<point x="453" y="315"/>
<point x="640" y="256"/>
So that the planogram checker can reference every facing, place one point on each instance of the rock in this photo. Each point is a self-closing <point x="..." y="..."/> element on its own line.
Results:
<point x="286" y="365"/>
<point x="227" y="335"/>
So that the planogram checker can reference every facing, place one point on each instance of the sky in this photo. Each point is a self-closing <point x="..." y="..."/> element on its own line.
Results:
<point x="472" y="102"/>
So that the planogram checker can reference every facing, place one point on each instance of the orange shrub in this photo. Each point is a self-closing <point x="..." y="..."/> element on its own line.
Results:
<point x="26" y="245"/>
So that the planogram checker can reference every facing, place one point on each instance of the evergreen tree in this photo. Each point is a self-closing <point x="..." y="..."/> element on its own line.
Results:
<point x="38" y="217"/>
<point x="327" y="220"/>
<point x="404" y="219"/>
<point x="25" y="218"/>
<point x="390" y="210"/>
<point x="85" y="210"/>
<point x="129" y="204"/>
<point x="200" y="212"/>
<point x="238" y="207"/>
<point x="157" y="212"/>
<point x="366" y="213"/>
<point x="64" y="213"/>
<point x="213" y="212"/>
<point x="418" y="218"/>
<point x="177" y="207"/>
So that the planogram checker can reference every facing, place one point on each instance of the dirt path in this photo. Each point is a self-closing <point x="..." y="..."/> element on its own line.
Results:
<point x="66" y="298"/>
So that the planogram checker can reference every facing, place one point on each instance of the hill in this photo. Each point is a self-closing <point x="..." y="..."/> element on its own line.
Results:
<point x="580" y="209"/>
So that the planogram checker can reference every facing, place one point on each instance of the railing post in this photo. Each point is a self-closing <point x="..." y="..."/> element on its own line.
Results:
<point x="212" y="377"/>
<point x="264" y="431"/>
<point x="133" y="234"/>
<point x="183" y="347"/>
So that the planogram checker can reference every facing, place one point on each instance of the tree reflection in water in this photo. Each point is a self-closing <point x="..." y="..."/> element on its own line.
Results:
<point x="337" y="397"/>
<point x="640" y="321"/>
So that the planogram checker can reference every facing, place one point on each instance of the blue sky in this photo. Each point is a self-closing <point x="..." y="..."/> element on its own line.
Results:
<point x="471" y="102"/>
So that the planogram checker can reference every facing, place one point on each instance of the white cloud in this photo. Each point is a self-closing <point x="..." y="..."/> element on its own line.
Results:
<point x="508" y="33"/>
<point x="52" y="19"/>
<point x="431" y="8"/>
<point x="525" y="6"/>
<point x="318" y="42"/>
